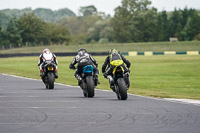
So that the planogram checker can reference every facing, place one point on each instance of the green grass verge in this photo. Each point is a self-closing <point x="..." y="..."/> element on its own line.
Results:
<point x="141" y="47"/>
<point x="157" y="76"/>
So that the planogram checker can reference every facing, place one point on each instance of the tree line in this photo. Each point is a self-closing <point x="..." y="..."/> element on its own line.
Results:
<point x="30" y="30"/>
<point x="47" y="15"/>
<point x="134" y="21"/>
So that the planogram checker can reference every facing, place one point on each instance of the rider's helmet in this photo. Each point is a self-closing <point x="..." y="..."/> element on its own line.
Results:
<point x="47" y="54"/>
<point x="112" y="51"/>
<point x="82" y="51"/>
<point x="46" y="51"/>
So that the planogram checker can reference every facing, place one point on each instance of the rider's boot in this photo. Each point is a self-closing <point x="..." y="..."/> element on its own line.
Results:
<point x="111" y="81"/>
<point x="41" y="73"/>
<point x="127" y="80"/>
<point x="96" y="80"/>
<point x="78" y="77"/>
<point x="56" y="73"/>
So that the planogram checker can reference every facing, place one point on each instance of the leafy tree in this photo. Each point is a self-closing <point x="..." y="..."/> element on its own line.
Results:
<point x="163" y="26"/>
<point x="192" y="27"/>
<point x="79" y="27"/>
<point x="122" y="24"/>
<point x="1" y="32"/>
<point x="1" y="35"/>
<point x="106" y="33"/>
<point x="4" y="19"/>
<point x="45" y="14"/>
<point x="3" y="39"/>
<point x="103" y="40"/>
<point x="185" y="15"/>
<point x="32" y="28"/>
<point x="176" y="23"/>
<point x="56" y="33"/>
<point x="13" y="32"/>
<point x="52" y="16"/>
<point x="128" y="18"/>
<point x="101" y="29"/>
<point x="17" y="12"/>
<point x="63" y="13"/>
<point x="88" y="10"/>
<point x="75" y="24"/>
<point x="147" y="26"/>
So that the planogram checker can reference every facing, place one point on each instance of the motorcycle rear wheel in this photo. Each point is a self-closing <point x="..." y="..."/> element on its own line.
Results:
<point x="90" y="86"/>
<point x="51" y="79"/>
<point x="122" y="89"/>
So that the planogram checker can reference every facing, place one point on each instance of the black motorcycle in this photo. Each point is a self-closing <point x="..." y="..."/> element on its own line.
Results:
<point x="49" y="74"/>
<point x="121" y="83"/>
<point x="88" y="82"/>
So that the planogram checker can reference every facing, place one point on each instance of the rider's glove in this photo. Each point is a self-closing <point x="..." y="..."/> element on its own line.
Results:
<point x="72" y="67"/>
<point x="96" y="65"/>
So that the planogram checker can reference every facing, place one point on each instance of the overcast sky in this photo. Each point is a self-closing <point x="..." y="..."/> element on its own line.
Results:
<point x="106" y="6"/>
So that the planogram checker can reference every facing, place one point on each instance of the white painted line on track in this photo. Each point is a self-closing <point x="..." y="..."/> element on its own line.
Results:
<point x="35" y="96"/>
<point x="39" y="101"/>
<point x="187" y="101"/>
<point x="51" y="107"/>
<point x="160" y="99"/>
<point x="39" y="108"/>
<point x="46" y="123"/>
<point x="20" y="77"/>
<point x="35" y="79"/>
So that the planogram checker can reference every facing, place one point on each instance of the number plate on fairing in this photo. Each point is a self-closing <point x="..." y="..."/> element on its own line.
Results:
<point x="50" y="68"/>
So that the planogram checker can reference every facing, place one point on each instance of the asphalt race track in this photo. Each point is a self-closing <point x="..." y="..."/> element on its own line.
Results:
<point x="27" y="107"/>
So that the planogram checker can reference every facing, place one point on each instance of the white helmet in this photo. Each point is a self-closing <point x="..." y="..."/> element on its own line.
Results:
<point x="46" y="51"/>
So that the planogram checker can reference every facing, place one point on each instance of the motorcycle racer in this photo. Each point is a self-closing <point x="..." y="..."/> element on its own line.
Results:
<point x="112" y="60"/>
<point x="47" y="54"/>
<point x="83" y="59"/>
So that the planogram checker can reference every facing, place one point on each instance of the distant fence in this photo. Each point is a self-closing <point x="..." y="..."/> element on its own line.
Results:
<point x="131" y="53"/>
<point x="150" y="53"/>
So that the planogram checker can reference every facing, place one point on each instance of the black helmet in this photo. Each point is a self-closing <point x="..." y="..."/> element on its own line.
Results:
<point x="82" y="51"/>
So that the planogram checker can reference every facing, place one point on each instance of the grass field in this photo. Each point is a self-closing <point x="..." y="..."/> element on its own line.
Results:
<point x="156" y="76"/>
<point x="140" y="47"/>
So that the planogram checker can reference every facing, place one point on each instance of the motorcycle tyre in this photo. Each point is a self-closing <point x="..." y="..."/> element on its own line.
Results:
<point x="51" y="79"/>
<point x="122" y="89"/>
<point x="90" y="86"/>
